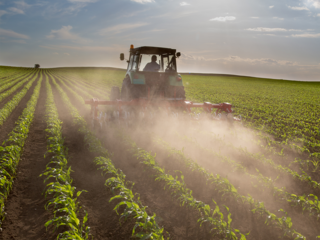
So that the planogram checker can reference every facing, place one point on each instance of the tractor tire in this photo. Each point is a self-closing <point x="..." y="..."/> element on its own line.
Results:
<point x="115" y="93"/>
<point x="180" y="93"/>
<point x="125" y="89"/>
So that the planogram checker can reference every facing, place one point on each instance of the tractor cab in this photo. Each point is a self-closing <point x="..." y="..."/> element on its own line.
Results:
<point x="141" y="56"/>
<point x="152" y="73"/>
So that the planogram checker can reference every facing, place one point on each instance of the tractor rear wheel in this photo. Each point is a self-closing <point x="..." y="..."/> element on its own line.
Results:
<point x="180" y="93"/>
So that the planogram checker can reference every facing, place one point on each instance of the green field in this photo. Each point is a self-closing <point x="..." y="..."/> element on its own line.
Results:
<point x="183" y="179"/>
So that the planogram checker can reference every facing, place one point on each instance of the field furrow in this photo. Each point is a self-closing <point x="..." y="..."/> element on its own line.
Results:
<point x="12" y="148"/>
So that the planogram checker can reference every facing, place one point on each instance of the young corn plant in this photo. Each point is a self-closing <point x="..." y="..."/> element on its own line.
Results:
<point x="64" y="198"/>
<point x="9" y="84"/>
<point x="226" y="188"/>
<point x="145" y="225"/>
<point x="184" y="195"/>
<point x="12" y="148"/>
<point x="261" y="181"/>
<point x="13" y="103"/>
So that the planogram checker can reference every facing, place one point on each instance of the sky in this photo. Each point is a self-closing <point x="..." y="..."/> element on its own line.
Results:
<point x="274" y="39"/>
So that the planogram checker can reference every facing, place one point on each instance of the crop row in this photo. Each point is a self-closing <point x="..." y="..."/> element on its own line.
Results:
<point x="6" y="73"/>
<point x="287" y="110"/>
<point x="276" y="149"/>
<point x="308" y="203"/>
<point x="14" y="88"/>
<point x="227" y="189"/>
<point x="9" y="106"/>
<point x="178" y="189"/>
<point x="303" y="176"/>
<point x="63" y="195"/>
<point x="97" y="79"/>
<point x="4" y="84"/>
<point x="95" y="91"/>
<point x="12" y="148"/>
<point x="145" y="224"/>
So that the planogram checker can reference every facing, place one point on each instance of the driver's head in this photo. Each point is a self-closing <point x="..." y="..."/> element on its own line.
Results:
<point x="154" y="58"/>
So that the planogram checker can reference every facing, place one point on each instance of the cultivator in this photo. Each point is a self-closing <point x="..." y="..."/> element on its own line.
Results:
<point x="128" y="111"/>
<point x="152" y="87"/>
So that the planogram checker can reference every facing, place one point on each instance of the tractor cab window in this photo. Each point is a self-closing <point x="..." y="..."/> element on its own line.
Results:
<point x="131" y="64"/>
<point x="150" y="63"/>
<point x="169" y="63"/>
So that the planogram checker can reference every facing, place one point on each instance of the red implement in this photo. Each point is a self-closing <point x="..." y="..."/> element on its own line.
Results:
<point x="168" y="104"/>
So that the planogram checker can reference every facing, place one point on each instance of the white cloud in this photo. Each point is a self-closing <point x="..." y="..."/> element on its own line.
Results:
<point x="318" y="15"/>
<point x="65" y="34"/>
<point x="22" y="4"/>
<point x="298" y="8"/>
<point x="142" y="1"/>
<point x="67" y="54"/>
<point x="20" y="7"/>
<point x="255" y="17"/>
<point x="307" y="35"/>
<point x="263" y="29"/>
<point x="223" y="19"/>
<point x="184" y="4"/>
<point x="315" y="3"/>
<point x="10" y="33"/>
<point x="252" y="61"/>
<point x="120" y="28"/>
<point x="114" y="48"/>
<point x="3" y="12"/>
<point x="271" y="6"/>
<point x="278" y="18"/>
<point x="57" y="9"/>
<point x="16" y="10"/>
<point x="55" y="53"/>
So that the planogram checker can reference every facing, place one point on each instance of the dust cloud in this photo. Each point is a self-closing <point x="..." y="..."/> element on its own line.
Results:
<point x="217" y="146"/>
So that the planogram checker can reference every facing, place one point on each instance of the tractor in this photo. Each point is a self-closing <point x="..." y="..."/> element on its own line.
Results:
<point x="147" y="78"/>
<point x="151" y="84"/>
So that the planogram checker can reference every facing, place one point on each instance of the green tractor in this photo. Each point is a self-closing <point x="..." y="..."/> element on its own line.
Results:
<point x="151" y="84"/>
<point x="151" y="74"/>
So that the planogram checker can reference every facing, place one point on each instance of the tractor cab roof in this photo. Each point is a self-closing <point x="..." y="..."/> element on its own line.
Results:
<point x="152" y="50"/>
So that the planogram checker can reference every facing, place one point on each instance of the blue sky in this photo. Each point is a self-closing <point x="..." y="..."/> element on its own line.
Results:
<point x="276" y="39"/>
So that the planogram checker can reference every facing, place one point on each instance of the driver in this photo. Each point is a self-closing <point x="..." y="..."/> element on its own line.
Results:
<point x="152" y="66"/>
